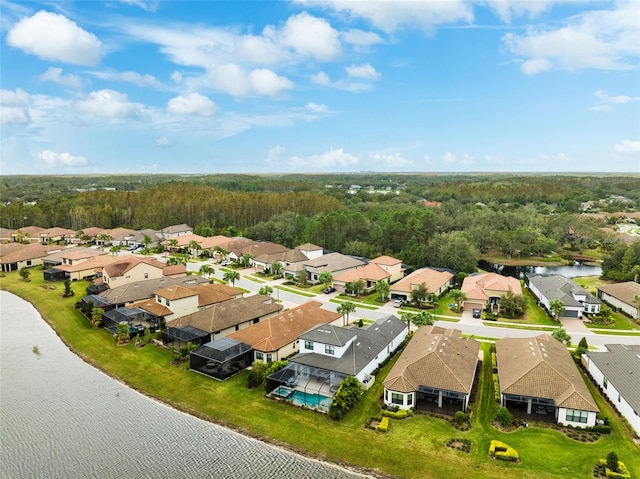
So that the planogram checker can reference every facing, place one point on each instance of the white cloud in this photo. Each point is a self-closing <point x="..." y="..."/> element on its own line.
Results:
<point x="14" y="106"/>
<point x="162" y="141"/>
<point x="507" y="9"/>
<point x="144" y="81"/>
<point x="107" y="103"/>
<point x="449" y="157"/>
<point x="598" y="39"/>
<point x="273" y="154"/>
<point x="147" y="5"/>
<point x="389" y="16"/>
<point x="53" y="159"/>
<point x="628" y="146"/>
<point x="360" y="40"/>
<point x="321" y="78"/>
<point x="311" y="37"/>
<point x="365" y="71"/>
<point x="317" y="108"/>
<point x="54" y="37"/>
<point x="55" y="75"/>
<point x="233" y="80"/>
<point x="329" y="160"/>
<point x="385" y="161"/>
<point x="176" y="76"/>
<point x="193" y="103"/>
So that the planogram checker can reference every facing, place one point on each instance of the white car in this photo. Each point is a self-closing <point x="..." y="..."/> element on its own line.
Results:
<point x="225" y="263"/>
<point x="397" y="303"/>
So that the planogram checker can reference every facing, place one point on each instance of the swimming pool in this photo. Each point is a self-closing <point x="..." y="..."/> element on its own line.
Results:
<point x="314" y="401"/>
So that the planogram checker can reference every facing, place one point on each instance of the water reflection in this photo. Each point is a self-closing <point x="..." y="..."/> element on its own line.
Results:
<point x="570" y="271"/>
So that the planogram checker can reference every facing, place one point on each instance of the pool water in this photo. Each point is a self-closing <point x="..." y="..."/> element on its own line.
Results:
<point x="310" y="400"/>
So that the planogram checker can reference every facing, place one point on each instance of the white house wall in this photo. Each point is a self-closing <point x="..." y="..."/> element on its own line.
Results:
<point x="623" y="407"/>
<point x="562" y="419"/>
<point x="621" y="305"/>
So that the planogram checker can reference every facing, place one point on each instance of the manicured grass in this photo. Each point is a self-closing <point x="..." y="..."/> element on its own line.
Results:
<point x="295" y="291"/>
<point x="413" y="447"/>
<point x="515" y="326"/>
<point x="620" y="322"/>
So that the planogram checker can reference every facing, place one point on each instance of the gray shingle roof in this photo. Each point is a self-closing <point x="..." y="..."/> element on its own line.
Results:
<point x="146" y="289"/>
<point x="369" y="343"/>
<point x="621" y="366"/>
<point x="330" y="334"/>
<point x="556" y="286"/>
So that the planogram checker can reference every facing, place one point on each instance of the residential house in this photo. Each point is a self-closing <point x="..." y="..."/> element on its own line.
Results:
<point x="538" y="378"/>
<point x="265" y="261"/>
<point x="276" y="338"/>
<point x="89" y="234"/>
<point x="576" y="299"/>
<point x="6" y="235"/>
<point x="175" y="231"/>
<point x="328" y="354"/>
<point x="75" y="264"/>
<point x="113" y="237"/>
<point x="55" y="235"/>
<point x="222" y="319"/>
<point x="622" y="297"/>
<point x="15" y="256"/>
<point x="484" y="290"/>
<point x="183" y="242"/>
<point x="27" y="234"/>
<point x="137" y="238"/>
<point x="310" y="250"/>
<point x="435" y="371"/>
<point x="391" y="265"/>
<point x="436" y="281"/>
<point x="370" y="274"/>
<point x="254" y="249"/>
<point x="334" y="263"/>
<point x="181" y="300"/>
<point x="617" y="373"/>
<point x="130" y="269"/>
<point x="130" y="293"/>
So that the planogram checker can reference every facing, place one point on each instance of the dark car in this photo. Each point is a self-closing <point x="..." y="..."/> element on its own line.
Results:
<point x="328" y="290"/>
<point x="477" y="313"/>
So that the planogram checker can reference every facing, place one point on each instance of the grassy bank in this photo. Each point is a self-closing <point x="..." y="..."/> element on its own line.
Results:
<point x="413" y="448"/>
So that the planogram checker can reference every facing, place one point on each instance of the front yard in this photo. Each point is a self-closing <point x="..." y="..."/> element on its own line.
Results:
<point x="413" y="447"/>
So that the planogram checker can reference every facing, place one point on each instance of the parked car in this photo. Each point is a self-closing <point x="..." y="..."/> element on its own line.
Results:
<point x="477" y="313"/>
<point x="328" y="290"/>
<point x="397" y="303"/>
<point x="225" y="263"/>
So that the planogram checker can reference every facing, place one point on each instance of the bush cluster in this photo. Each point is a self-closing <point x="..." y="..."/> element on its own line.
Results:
<point x="494" y="362"/>
<point x="601" y="470"/>
<point x="496" y="387"/>
<point x="397" y="414"/>
<point x="464" y="445"/>
<point x="384" y="425"/>
<point x="503" y="451"/>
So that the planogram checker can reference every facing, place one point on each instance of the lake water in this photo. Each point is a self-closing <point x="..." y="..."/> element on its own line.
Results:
<point x="570" y="271"/>
<point x="62" y="418"/>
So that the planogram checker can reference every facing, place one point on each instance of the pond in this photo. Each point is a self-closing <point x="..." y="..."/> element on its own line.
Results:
<point x="570" y="271"/>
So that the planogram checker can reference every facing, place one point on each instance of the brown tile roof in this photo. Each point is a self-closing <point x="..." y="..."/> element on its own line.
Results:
<point x="118" y="234"/>
<point x="476" y="286"/>
<point x="308" y="247"/>
<point x="184" y="240"/>
<point x="56" y="231"/>
<point x="174" y="270"/>
<point x="432" y="279"/>
<point x="210" y="242"/>
<point x="542" y="367"/>
<point x="386" y="260"/>
<point x="15" y="252"/>
<point x="370" y="271"/>
<point x="278" y="331"/>
<point x="82" y="253"/>
<point x="93" y="231"/>
<point x="625" y="292"/>
<point x="229" y="313"/>
<point x="291" y="256"/>
<point x="94" y="264"/>
<point x="30" y="231"/>
<point x="126" y="263"/>
<point x="140" y="290"/>
<point x="435" y="357"/>
<point x="208" y="294"/>
<point x="257" y="248"/>
<point x="151" y="306"/>
<point x="176" y="228"/>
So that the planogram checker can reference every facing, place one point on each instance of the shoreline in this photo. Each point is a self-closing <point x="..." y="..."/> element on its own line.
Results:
<point x="346" y="467"/>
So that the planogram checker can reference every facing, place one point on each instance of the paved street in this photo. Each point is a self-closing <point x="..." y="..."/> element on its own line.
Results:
<point x="467" y="324"/>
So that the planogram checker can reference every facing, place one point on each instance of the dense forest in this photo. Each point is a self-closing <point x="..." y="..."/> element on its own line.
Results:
<point x="438" y="220"/>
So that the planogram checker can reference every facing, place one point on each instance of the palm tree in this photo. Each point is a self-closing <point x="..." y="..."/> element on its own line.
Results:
<point x="276" y="268"/>
<point x="345" y="309"/>
<point x="222" y="253"/>
<point x="457" y="296"/>
<point x="266" y="291"/>
<point x="383" y="288"/>
<point x="195" y="247"/>
<point x="146" y="241"/>
<point x="206" y="270"/>
<point x="231" y="277"/>
<point x="114" y="249"/>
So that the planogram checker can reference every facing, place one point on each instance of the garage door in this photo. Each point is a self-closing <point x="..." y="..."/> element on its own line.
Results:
<point x="471" y="306"/>
<point x="570" y="314"/>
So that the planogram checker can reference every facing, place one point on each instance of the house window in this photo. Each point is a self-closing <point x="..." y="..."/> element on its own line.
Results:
<point x="397" y="398"/>
<point x="259" y="356"/>
<point x="409" y="399"/>
<point x="386" y="395"/>
<point x="308" y="345"/>
<point x="146" y="276"/>
<point x="269" y="358"/>
<point x="605" y="383"/>
<point x="28" y="262"/>
<point x="575" y="415"/>
<point x="168" y="303"/>
<point x="328" y="349"/>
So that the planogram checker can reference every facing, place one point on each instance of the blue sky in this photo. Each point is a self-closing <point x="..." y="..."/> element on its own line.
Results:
<point x="137" y="86"/>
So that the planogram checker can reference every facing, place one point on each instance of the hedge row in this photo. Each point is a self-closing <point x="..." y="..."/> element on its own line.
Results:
<point x="496" y="387"/>
<point x="503" y="451"/>
<point x="494" y="362"/>
<point x="399" y="414"/>
<point x="384" y="425"/>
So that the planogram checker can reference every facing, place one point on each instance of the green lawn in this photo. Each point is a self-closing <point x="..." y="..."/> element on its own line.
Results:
<point x="413" y="447"/>
<point x="620" y="323"/>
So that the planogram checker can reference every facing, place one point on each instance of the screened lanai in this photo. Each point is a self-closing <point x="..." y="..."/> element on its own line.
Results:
<point x="137" y="319"/>
<point x="180" y="337"/>
<point x="221" y="358"/>
<point x="304" y="385"/>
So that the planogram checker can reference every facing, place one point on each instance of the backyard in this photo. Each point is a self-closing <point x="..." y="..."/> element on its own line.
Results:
<point x="413" y="447"/>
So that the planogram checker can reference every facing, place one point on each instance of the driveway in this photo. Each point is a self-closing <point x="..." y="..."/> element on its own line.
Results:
<point x="574" y="326"/>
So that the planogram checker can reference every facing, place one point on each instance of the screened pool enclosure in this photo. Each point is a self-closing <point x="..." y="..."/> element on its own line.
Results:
<point x="304" y="385"/>
<point x="221" y="358"/>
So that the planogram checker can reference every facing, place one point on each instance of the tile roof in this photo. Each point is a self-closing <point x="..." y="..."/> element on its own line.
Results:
<point x="432" y="279"/>
<point x="542" y="367"/>
<point x="476" y="286"/>
<point x="436" y="358"/>
<point x="176" y="228"/>
<point x="278" y="331"/>
<point x="16" y="252"/>
<point x="386" y="260"/>
<point x="370" y="271"/>
<point x="332" y="262"/>
<point x="309" y="247"/>
<point x="127" y="263"/>
<point x="140" y="290"/>
<point x="625" y="292"/>
<point x="230" y="313"/>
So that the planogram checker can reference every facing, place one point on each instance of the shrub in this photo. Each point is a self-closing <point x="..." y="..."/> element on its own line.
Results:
<point x="494" y="362"/>
<point x="397" y="414"/>
<point x="603" y="429"/>
<point x="459" y="417"/>
<point x="503" y="416"/>
<point x="384" y="425"/>
<point x="612" y="461"/>
<point x="503" y="451"/>
<point x="496" y="387"/>
<point x="622" y="468"/>
<point x="345" y="398"/>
